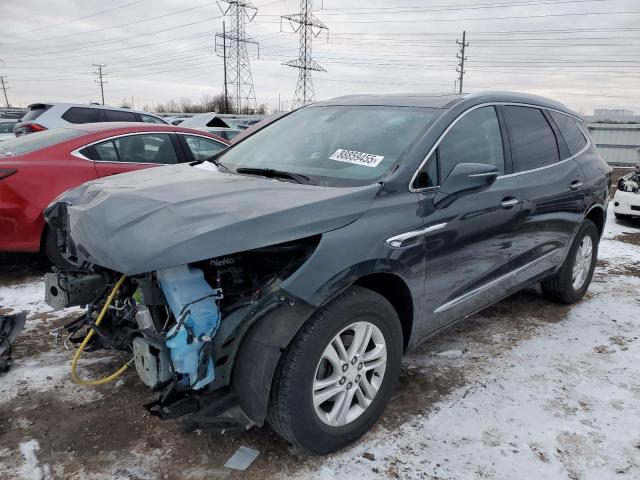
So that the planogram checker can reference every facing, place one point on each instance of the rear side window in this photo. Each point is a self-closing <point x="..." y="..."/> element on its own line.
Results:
<point x="119" y="116"/>
<point x="36" y="141"/>
<point x="81" y="115"/>
<point x="34" y="112"/>
<point x="570" y="132"/>
<point x="533" y="143"/>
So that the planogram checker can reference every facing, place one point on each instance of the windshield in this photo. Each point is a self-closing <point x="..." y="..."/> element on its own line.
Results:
<point x="333" y="145"/>
<point x="36" y="141"/>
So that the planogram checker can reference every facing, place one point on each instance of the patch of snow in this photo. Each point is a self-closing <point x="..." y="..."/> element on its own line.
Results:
<point x="449" y="353"/>
<point x="45" y="372"/>
<point x="31" y="468"/>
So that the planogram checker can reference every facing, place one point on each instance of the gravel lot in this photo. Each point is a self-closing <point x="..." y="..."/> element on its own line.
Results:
<point x="525" y="389"/>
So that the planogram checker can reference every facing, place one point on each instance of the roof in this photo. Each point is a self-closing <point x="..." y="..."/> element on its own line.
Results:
<point x="139" y="127"/>
<point x="87" y="105"/>
<point x="446" y="101"/>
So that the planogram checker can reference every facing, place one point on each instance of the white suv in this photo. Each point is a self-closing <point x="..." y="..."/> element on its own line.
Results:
<point x="45" y="116"/>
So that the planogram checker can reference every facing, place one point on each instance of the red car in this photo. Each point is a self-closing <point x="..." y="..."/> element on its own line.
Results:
<point x="36" y="168"/>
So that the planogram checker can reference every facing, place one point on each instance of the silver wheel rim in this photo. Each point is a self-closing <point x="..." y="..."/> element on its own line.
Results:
<point x="349" y="374"/>
<point x="582" y="263"/>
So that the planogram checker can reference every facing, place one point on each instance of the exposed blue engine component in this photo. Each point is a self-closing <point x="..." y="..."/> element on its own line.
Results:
<point x="193" y="303"/>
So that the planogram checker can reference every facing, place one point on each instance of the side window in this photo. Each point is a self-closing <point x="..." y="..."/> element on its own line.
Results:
<point x="148" y="148"/>
<point x="475" y="138"/>
<point x="105" y="151"/>
<point x="81" y="115"/>
<point x="570" y="131"/>
<point x="118" y="116"/>
<point x="150" y="119"/>
<point x="533" y="143"/>
<point x="201" y="147"/>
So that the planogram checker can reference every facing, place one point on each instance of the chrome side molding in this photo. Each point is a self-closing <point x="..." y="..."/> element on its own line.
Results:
<point x="401" y="240"/>
<point x="492" y="283"/>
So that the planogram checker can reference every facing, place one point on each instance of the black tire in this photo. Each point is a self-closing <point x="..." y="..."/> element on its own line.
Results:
<point x="560" y="286"/>
<point x="51" y="250"/>
<point x="291" y="411"/>
<point x="622" y="216"/>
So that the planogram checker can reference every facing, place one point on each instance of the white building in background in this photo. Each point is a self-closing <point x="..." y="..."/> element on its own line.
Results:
<point x="617" y="135"/>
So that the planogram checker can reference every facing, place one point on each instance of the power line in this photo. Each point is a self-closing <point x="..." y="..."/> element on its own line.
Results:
<point x="306" y="23"/>
<point x="74" y="19"/>
<point x="99" y="74"/>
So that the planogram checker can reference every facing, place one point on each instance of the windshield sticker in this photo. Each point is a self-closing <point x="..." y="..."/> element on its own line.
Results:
<point x="358" y="158"/>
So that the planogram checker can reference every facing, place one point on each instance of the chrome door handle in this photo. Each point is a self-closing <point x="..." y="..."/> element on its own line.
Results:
<point x="576" y="185"/>
<point x="509" y="203"/>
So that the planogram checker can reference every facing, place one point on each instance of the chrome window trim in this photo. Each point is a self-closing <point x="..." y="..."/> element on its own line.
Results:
<point x="494" y="104"/>
<point x="397" y="240"/>
<point x="492" y="283"/>
<point x="76" y="152"/>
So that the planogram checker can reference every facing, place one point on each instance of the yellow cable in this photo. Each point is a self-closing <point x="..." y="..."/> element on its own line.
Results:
<point x="76" y="357"/>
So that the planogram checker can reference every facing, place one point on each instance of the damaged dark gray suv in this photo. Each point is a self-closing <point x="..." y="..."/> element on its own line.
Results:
<point x="283" y="279"/>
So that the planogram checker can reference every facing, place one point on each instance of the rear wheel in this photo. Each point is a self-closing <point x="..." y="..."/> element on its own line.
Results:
<point x="337" y="376"/>
<point x="572" y="280"/>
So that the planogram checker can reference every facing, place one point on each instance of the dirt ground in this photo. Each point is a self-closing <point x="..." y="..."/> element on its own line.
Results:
<point x="105" y="432"/>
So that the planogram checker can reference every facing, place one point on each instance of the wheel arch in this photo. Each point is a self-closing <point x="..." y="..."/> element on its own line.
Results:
<point x="396" y="291"/>
<point x="598" y="216"/>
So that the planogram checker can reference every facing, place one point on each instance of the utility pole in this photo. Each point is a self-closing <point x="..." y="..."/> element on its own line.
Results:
<point x="4" y="89"/>
<point x="308" y="26"/>
<point x="100" y="79"/>
<point x="461" y="56"/>
<point x="236" y="57"/>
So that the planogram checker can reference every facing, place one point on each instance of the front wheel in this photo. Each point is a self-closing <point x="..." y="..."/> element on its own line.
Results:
<point x="572" y="280"/>
<point x="337" y="376"/>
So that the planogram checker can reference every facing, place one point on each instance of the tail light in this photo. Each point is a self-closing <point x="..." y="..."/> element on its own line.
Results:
<point x="25" y="128"/>
<point x="6" y="172"/>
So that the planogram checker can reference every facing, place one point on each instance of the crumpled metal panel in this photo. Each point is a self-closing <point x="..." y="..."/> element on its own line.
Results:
<point x="162" y="217"/>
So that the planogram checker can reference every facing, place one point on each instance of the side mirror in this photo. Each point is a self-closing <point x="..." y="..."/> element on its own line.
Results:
<point x="464" y="178"/>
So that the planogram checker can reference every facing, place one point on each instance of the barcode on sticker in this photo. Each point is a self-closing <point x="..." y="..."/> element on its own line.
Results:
<point x="359" y="158"/>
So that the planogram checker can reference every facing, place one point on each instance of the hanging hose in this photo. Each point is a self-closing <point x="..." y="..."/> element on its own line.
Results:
<point x="76" y="357"/>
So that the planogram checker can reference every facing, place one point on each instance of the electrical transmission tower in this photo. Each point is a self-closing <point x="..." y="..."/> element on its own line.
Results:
<point x="100" y="78"/>
<point x="308" y="26"/>
<point x="236" y="57"/>
<point x="462" y="57"/>
<point x="3" y="83"/>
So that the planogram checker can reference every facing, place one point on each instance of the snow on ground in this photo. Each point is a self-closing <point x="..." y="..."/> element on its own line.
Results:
<point x="563" y="404"/>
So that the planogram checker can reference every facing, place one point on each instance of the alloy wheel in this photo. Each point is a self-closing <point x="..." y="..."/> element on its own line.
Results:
<point x="349" y="374"/>
<point x="582" y="263"/>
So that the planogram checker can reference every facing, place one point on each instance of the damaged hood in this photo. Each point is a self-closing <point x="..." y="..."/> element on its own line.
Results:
<point x="162" y="217"/>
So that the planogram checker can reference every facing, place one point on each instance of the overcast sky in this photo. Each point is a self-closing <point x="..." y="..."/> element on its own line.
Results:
<point x="583" y="53"/>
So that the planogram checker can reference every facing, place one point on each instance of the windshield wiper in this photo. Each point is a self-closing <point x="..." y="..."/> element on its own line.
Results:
<point x="271" y="173"/>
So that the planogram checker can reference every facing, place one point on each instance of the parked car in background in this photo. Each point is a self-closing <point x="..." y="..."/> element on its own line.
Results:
<point x="36" y="168"/>
<point x="174" y="120"/>
<point x="12" y="113"/>
<point x="46" y="116"/>
<point x="287" y="275"/>
<point x="6" y="128"/>
<point x="213" y="123"/>
<point x="626" y="200"/>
